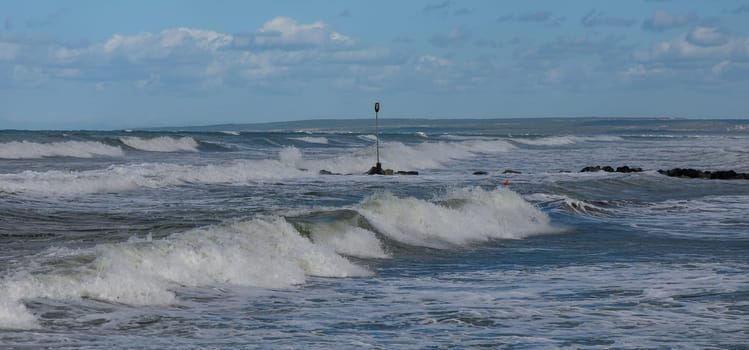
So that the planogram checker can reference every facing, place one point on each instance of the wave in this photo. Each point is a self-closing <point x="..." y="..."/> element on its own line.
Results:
<point x="310" y="139"/>
<point x="268" y="251"/>
<point x="289" y="165"/>
<point x="76" y="149"/>
<point x="464" y="216"/>
<point x="371" y="138"/>
<point x="263" y="252"/>
<point x="162" y="144"/>
<point x="572" y="205"/>
<point x="399" y="156"/>
<point x="564" y="140"/>
<point x="233" y="133"/>
<point x="466" y="137"/>
<point x="118" y="178"/>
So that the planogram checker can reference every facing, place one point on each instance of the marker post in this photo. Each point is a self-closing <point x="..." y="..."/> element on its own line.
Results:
<point x="377" y="135"/>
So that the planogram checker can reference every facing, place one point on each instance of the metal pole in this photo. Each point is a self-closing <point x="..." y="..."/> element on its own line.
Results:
<point x="377" y="132"/>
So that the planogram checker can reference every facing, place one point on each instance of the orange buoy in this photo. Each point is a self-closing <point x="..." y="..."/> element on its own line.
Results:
<point x="507" y="182"/>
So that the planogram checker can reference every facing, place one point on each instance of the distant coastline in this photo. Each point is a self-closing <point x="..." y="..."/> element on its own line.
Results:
<point x="513" y="125"/>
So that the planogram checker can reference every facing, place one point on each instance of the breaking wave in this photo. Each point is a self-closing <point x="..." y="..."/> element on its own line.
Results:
<point x="399" y="156"/>
<point x="564" y="140"/>
<point x="311" y="139"/>
<point x="263" y="252"/>
<point x="162" y="144"/>
<point x="76" y="149"/>
<point x="465" y="216"/>
<point x="266" y="251"/>
<point x="290" y="164"/>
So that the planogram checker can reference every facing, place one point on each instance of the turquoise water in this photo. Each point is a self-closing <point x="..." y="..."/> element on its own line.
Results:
<point x="231" y="238"/>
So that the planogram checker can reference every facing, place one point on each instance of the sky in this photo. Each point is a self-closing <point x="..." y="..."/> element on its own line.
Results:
<point x="89" y="64"/>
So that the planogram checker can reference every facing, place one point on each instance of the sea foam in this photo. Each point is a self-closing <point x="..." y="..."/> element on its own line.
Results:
<point x="162" y="144"/>
<point x="76" y="149"/>
<point x="564" y="140"/>
<point x="263" y="252"/>
<point x="465" y="216"/>
<point x="310" y="139"/>
<point x="290" y="164"/>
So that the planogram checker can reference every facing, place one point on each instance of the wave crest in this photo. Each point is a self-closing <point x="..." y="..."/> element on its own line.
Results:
<point x="465" y="216"/>
<point x="75" y="149"/>
<point x="162" y="144"/>
<point x="264" y="252"/>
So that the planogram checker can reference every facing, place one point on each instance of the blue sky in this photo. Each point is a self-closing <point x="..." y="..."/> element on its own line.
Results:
<point x="119" y="64"/>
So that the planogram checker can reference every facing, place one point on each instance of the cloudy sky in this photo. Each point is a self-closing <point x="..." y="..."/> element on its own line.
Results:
<point x="118" y="64"/>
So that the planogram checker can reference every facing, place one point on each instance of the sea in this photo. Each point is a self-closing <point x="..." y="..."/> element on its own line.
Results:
<point x="272" y="236"/>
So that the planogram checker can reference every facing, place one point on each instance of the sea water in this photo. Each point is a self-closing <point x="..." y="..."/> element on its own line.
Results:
<point x="232" y="238"/>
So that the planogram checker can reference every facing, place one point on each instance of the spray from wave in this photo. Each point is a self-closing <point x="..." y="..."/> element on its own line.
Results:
<point x="463" y="217"/>
<point x="564" y="140"/>
<point x="75" y="149"/>
<point x="290" y="164"/>
<point x="310" y="139"/>
<point x="264" y="252"/>
<point x="162" y="144"/>
<point x="267" y="251"/>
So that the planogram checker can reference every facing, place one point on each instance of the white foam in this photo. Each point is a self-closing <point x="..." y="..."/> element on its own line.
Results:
<point x="77" y="149"/>
<point x="399" y="156"/>
<point x="372" y="138"/>
<point x="463" y="217"/>
<point x="118" y="178"/>
<point x="264" y="252"/>
<point x="421" y="134"/>
<point x="162" y="144"/>
<point x="351" y="241"/>
<point x="564" y="140"/>
<point x="234" y="133"/>
<point x="310" y="139"/>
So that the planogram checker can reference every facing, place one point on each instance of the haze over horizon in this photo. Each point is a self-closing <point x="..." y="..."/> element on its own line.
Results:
<point x="104" y="65"/>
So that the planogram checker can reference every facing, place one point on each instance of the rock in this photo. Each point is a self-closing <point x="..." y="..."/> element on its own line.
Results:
<point x="326" y="172"/>
<point x="699" y="174"/>
<point x="480" y="173"/>
<point x="608" y="169"/>
<point x="389" y="172"/>
<point x="407" y="172"/>
<point x="591" y="169"/>
<point x="375" y="170"/>
<point x="564" y="171"/>
<point x="626" y="169"/>
<point x="510" y="171"/>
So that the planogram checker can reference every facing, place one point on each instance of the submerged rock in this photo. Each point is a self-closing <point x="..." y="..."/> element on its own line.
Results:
<point x="608" y="169"/>
<point x="510" y="171"/>
<point x="699" y="174"/>
<point x="480" y="172"/>
<point x="591" y="169"/>
<point x="379" y="171"/>
<point x="626" y="169"/>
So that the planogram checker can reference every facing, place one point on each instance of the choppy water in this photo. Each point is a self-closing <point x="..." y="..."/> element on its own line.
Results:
<point x="233" y="239"/>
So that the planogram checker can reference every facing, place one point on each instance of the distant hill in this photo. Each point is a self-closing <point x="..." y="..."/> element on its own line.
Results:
<point x="542" y="126"/>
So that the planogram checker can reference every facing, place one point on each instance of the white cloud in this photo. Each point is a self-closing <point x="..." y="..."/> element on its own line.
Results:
<point x="286" y="32"/>
<point x="704" y="56"/>
<point x="707" y="36"/>
<point x="702" y="43"/>
<point x="197" y="58"/>
<point x="662" y="20"/>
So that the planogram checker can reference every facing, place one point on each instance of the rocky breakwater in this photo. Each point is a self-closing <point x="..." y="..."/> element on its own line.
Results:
<point x="700" y="174"/>
<point x="608" y="169"/>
